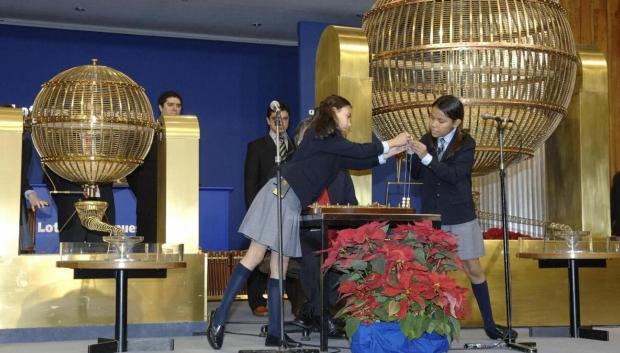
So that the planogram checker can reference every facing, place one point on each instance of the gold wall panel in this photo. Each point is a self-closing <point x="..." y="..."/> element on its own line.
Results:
<point x="577" y="154"/>
<point x="34" y="293"/>
<point x="11" y="127"/>
<point x="342" y="69"/>
<point x="178" y="182"/>
<point x="540" y="296"/>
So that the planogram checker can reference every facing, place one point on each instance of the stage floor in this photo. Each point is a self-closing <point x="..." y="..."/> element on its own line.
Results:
<point x="244" y="329"/>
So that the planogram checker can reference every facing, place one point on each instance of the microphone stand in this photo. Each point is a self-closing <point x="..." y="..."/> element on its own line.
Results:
<point x="278" y="159"/>
<point x="529" y="347"/>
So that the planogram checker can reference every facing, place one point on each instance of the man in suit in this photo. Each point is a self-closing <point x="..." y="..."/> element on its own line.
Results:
<point x="143" y="180"/>
<point x="259" y="167"/>
<point x="26" y="240"/>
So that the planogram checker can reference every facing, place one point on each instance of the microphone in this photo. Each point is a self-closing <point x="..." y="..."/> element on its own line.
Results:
<point x="499" y="119"/>
<point x="274" y="106"/>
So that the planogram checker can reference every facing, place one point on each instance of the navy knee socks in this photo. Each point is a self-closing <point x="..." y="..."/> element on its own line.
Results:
<point x="273" y="304"/>
<point x="481" y="292"/>
<point x="237" y="280"/>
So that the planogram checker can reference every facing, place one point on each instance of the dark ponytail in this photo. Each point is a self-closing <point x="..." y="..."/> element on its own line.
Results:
<point x="324" y="122"/>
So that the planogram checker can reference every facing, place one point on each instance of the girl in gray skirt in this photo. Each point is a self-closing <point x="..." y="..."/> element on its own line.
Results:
<point x="444" y="160"/>
<point x="322" y="154"/>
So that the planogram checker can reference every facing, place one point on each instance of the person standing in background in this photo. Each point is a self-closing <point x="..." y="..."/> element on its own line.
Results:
<point x="143" y="180"/>
<point x="33" y="201"/>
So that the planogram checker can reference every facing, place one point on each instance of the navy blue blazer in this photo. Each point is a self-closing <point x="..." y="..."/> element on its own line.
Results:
<point x="447" y="183"/>
<point x="317" y="162"/>
<point x="341" y="190"/>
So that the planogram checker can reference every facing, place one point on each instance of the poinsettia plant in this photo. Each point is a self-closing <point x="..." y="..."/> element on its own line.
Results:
<point x="398" y="275"/>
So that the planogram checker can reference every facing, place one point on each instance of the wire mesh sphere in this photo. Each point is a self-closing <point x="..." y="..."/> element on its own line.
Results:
<point x="513" y="59"/>
<point x="92" y="124"/>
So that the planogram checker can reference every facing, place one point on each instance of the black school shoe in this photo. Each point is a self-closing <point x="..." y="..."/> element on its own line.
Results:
<point x="274" y="341"/>
<point x="501" y="332"/>
<point x="215" y="333"/>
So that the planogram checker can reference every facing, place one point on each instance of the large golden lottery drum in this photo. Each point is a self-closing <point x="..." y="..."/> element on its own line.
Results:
<point x="513" y="59"/>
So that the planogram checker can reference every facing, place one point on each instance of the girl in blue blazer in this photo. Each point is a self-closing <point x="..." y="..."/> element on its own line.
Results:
<point x="443" y="160"/>
<point x="322" y="154"/>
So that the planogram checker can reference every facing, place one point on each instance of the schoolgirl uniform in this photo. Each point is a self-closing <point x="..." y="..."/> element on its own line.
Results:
<point x="314" y="166"/>
<point x="447" y="188"/>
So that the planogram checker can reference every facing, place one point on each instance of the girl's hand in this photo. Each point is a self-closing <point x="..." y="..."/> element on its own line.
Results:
<point x="401" y="140"/>
<point x="419" y="148"/>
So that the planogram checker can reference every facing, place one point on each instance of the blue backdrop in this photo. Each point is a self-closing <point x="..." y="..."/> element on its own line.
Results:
<point x="227" y="85"/>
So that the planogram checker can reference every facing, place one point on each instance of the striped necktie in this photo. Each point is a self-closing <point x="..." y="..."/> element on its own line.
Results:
<point x="283" y="149"/>
<point x="441" y="147"/>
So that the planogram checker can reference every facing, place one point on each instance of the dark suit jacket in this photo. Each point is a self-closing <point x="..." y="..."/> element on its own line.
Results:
<point x="71" y="229"/>
<point x="317" y="162"/>
<point x="447" y="183"/>
<point x="260" y="165"/>
<point x="143" y="183"/>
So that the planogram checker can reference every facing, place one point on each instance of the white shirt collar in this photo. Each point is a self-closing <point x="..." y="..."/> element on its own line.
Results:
<point x="448" y="137"/>
<point x="284" y="137"/>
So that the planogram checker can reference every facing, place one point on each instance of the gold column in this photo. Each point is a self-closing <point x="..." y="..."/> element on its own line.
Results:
<point x="178" y="182"/>
<point x="342" y="69"/>
<point x="11" y="127"/>
<point x="577" y="154"/>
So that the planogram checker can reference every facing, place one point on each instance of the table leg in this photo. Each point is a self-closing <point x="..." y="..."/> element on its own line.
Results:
<point x="573" y="297"/>
<point x="324" y="294"/>
<point x="575" y="321"/>
<point x="120" y="325"/>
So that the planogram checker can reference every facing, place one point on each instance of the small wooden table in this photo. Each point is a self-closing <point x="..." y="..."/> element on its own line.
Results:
<point x="121" y="271"/>
<point x="574" y="260"/>
<point x="325" y="218"/>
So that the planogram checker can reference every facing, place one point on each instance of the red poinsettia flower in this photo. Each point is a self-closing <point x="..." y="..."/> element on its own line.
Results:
<point x="390" y="277"/>
<point x="498" y="234"/>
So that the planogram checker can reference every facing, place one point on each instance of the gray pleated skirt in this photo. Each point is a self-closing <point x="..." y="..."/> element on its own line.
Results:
<point x="260" y="222"/>
<point x="469" y="235"/>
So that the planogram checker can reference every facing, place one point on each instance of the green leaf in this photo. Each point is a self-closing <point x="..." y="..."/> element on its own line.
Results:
<point x="351" y="326"/>
<point x="386" y="228"/>
<point x="382" y="312"/>
<point x="381" y="298"/>
<point x="414" y="326"/>
<point x="407" y="326"/>
<point x="419" y="255"/>
<point x="455" y="328"/>
<point x="358" y="265"/>
<point x="393" y="308"/>
<point x="378" y="264"/>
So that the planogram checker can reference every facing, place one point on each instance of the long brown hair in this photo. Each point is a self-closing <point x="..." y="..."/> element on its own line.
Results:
<point x="324" y="122"/>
